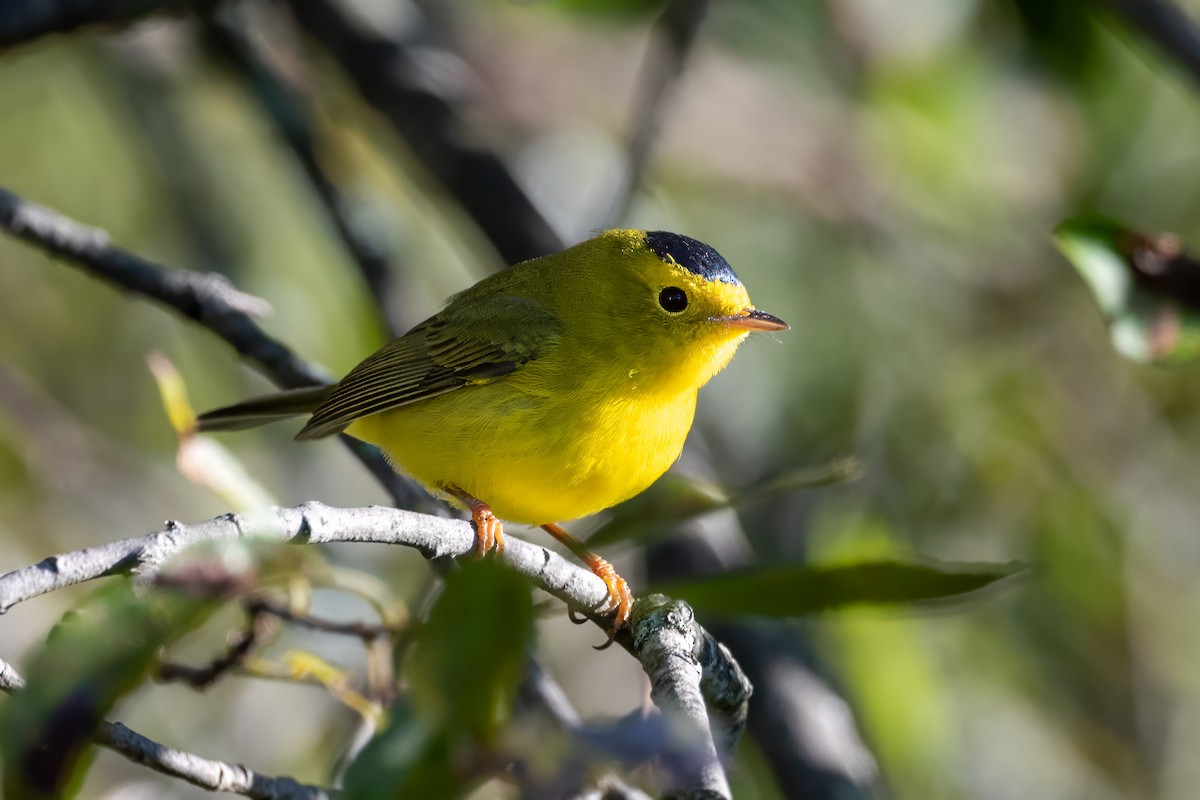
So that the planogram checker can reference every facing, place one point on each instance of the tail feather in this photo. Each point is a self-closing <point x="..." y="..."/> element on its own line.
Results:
<point x="261" y="410"/>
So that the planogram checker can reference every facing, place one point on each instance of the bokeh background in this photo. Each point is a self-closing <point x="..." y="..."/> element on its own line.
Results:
<point x="885" y="176"/>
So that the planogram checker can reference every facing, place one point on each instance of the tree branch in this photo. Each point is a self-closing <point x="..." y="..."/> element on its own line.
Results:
<point x="315" y="523"/>
<point x="216" y="776"/>
<point x="804" y="729"/>
<point x="310" y="523"/>
<point x="676" y="653"/>
<point x="205" y="298"/>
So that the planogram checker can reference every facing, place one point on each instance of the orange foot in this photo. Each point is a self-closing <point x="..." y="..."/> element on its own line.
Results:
<point x="489" y="531"/>
<point x="620" y="599"/>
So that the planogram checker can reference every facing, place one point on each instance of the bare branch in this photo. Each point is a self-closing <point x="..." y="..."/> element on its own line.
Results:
<point x="361" y="630"/>
<point x="804" y="729"/>
<point x="310" y="523"/>
<point x="207" y="773"/>
<point x="671" y="644"/>
<point x="723" y="683"/>
<point x="216" y="776"/>
<point x="10" y="680"/>
<point x="421" y="89"/>
<point x="241" y="644"/>
<point x="207" y="299"/>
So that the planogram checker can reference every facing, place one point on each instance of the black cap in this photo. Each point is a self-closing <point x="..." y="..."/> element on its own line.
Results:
<point x="692" y="255"/>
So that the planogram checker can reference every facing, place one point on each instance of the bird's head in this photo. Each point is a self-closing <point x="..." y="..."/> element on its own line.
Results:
<point x="677" y="310"/>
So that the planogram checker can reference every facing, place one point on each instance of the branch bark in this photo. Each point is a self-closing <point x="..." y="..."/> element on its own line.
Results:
<point x="205" y="298"/>
<point x="310" y="523"/>
<point x="686" y="666"/>
<point x="216" y="776"/>
<point x="677" y="653"/>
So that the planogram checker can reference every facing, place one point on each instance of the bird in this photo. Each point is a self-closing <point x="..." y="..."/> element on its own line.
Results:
<point x="551" y="390"/>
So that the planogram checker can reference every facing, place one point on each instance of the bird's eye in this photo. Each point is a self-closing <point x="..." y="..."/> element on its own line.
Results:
<point x="673" y="299"/>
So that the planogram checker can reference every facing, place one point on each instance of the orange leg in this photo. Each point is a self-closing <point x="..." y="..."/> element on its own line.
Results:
<point x="489" y="531"/>
<point x="620" y="599"/>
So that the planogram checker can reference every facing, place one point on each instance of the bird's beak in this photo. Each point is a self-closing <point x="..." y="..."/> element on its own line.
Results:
<point x="753" y="320"/>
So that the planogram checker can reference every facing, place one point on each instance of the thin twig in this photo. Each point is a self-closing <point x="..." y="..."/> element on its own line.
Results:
<point x="240" y="647"/>
<point x="216" y="776"/>
<point x="206" y="298"/>
<point x="361" y="630"/>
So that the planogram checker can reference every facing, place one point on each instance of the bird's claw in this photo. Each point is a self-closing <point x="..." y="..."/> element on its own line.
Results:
<point x="620" y="599"/>
<point x="489" y="531"/>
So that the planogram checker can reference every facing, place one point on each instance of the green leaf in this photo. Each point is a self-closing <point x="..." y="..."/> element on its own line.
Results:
<point x="1146" y="287"/>
<point x="92" y="658"/>
<point x="409" y="758"/>
<point x="675" y="498"/>
<point x="793" y="591"/>
<point x="470" y="655"/>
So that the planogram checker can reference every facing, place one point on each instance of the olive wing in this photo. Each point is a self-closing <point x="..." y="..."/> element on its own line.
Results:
<point x="463" y="345"/>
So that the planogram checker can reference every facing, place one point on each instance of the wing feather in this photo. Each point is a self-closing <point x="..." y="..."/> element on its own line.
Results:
<point x="474" y="340"/>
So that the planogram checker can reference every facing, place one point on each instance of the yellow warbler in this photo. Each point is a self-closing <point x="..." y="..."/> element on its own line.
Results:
<point x="554" y="389"/>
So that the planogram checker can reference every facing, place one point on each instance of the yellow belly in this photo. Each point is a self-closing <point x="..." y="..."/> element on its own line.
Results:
<point x="533" y="459"/>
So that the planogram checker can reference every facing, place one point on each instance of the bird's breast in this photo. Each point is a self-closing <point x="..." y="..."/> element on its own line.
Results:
<point x="534" y="458"/>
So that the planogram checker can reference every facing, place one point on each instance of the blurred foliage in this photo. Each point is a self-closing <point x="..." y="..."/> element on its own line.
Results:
<point x="794" y="591"/>
<point x="676" y="498"/>
<point x="464" y="680"/>
<point x="1146" y="287"/>
<point x="95" y="656"/>
<point x="885" y="176"/>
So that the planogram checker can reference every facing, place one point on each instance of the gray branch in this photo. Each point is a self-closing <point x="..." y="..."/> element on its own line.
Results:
<point x="663" y="636"/>
<point x="205" y="298"/>
<point x="678" y="655"/>
<point x="216" y="776"/>
<point x="310" y="523"/>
